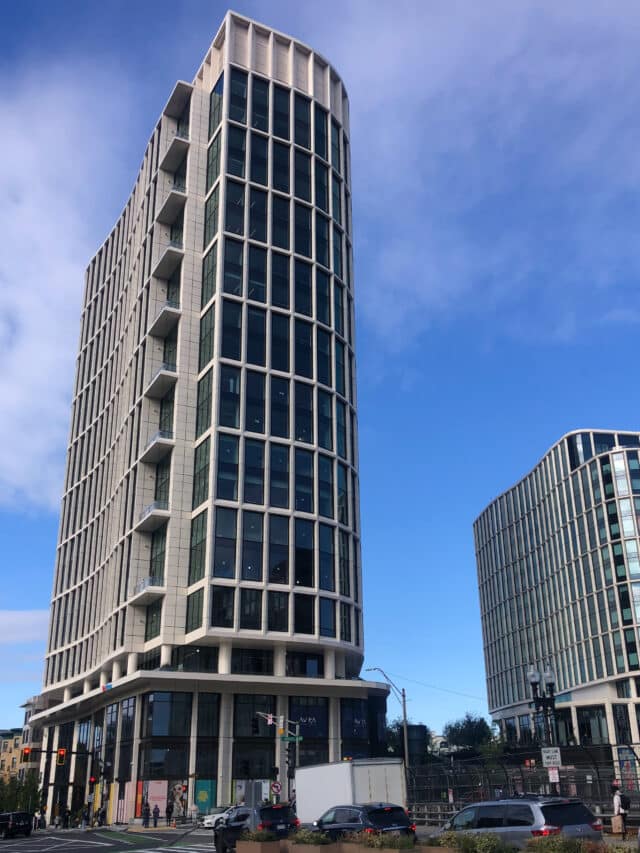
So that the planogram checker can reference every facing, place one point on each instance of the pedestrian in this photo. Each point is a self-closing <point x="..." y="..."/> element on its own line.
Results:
<point x="169" y="812"/>
<point x="146" y="814"/>
<point x="66" y="818"/>
<point x="156" y="815"/>
<point x="621" y="805"/>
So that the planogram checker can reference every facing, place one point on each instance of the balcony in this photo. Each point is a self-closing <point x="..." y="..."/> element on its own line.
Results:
<point x="158" y="446"/>
<point x="173" y="204"/>
<point x="148" y="590"/>
<point x="178" y="99"/>
<point x="169" y="260"/>
<point x="176" y="151"/>
<point x="166" y="319"/>
<point x="152" y="517"/>
<point x="162" y="381"/>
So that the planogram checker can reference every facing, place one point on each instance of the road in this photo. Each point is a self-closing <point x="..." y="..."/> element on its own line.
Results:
<point x="107" y="840"/>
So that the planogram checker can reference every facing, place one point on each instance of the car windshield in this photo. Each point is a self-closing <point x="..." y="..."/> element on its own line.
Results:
<point x="566" y="814"/>
<point x="277" y="814"/>
<point x="388" y="816"/>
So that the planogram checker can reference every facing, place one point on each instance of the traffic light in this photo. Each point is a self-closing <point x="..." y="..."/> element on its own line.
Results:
<point x="61" y="757"/>
<point x="92" y="782"/>
<point x="26" y="754"/>
<point x="255" y="726"/>
<point x="291" y="760"/>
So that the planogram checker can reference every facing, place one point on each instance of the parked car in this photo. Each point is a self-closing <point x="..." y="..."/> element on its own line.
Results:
<point x="517" y="820"/>
<point x="215" y="816"/>
<point x="368" y="817"/>
<point x="15" y="823"/>
<point x="278" y="818"/>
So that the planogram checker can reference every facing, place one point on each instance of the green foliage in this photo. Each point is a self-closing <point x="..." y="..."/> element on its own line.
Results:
<point x="469" y="843"/>
<point x="306" y="836"/>
<point x="16" y="795"/>
<point x="471" y="730"/>
<point x="561" y="844"/>
<point x="381" y="841"/>
<point x="394" y="736"/>
<point x="259" y="835"/>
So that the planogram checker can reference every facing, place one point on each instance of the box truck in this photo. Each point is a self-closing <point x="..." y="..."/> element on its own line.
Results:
<point x="363" y="780"/>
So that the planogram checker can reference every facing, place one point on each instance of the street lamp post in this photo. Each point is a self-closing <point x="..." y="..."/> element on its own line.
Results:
<point x="402" y="697"/>
<point x="544" y="699"/>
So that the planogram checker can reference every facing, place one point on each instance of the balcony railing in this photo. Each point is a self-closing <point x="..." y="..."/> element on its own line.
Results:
<point x="147" y="582"/>
<point x="162" y="433"/>
<point x="182" y="132"/>
<point x="179" y="185"/>
<point x="156" y="505"/>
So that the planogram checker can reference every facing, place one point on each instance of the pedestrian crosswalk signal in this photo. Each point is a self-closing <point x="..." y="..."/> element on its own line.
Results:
<point x="61" y="757"/>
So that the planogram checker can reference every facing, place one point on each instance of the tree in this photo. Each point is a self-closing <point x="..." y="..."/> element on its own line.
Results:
<point x="471" y="730"/>
<point x="394" y="734"/>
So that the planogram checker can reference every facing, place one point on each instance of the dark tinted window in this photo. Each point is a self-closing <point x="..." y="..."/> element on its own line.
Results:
<point x="520" y="815"/>
<point x="388" y="816"/>
<point x="277" y="814"/>
<point x="567" y="814"/>
<point x="490" y="816"/>
<point x="464" y="820"/>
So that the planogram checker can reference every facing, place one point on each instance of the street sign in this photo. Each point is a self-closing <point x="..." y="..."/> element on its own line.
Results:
<point x="291" y="739"/>
<point x="276" y="787"/>
<point x="554" y="774"/>
<point x="551" y="757"/>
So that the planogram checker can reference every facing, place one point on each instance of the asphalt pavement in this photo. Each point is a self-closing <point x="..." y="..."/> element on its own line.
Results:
<point x="111" y="840"/>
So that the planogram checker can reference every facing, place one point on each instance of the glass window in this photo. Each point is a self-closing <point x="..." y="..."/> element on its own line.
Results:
<point x="325" y="420"/>
<point x="208" y="714"/>
<point x="336" y="206"/>
<point x="213" y="162"/>
<point x="279" y="483"/>
<point x="205" y="350"/>
<point x="303" y="614"/>
<point x="337" y="251"/>
<point x="258" y="217"/>
<point x="197" y="547"/>
<point x="281" y="167"/>
<point x="280" y="280"/>
<point x="303" y="230"/>
<point x="153" y="620"/>
<point x="259" y="159"/>
<point x="327" y="617"/>
<point x="302" y="175"/>
<point x="338" y="307"/>
<point x="279" y="407"/>
<point x="322" y="186"/>
<point x="215" y="105"/>
<point x="203" y="404"/>
<point x="280" y="222"/>
<point x="224" y="560"/>
<point x="325" y="486"/>
<point x="303" y="349"/>
<point x="279" y="342"/>
<point x="227" y="467"/>
<point x="320" y="132"/>
<point x="305" y="665"/>
<point x="250" y="613"/>
<point x="344" y="563"/>
<point x="257" y="274"/>
<point x="341" y="428"/>
<point x="166" y="412"/>
<point x="260" y="104"/>
<point x="158" y="552"/>
<point x="252" y="662"/>
<point x="322" y="239"/>
<point x="335" y="146"/>
<point x="238" y="96"/>
<point x="278" y="549"/>
<point x="229" y="414"/>
<point x="304" y="480"/>
<point x="222" y="606"/>
<point x="211" y="217"/>
<point x="281" y="112"/>
<point x="278" y="611"/>
<point x="327" y="560"/>
<point x="304" y="412"/>
<point x="303" y="288"/>
<point x="194" y="610"/>
<point x="251" y="547"/>
<point x="231" y="329"/>
<point x="304" y="552"/>
<point x="254" y="402"/>
<point x="323" y="356"/>
<point x="256" y="336"/>
<point x="232" y="281"/>
<point x="253" y="471"/>
<point x="343" y="505"/>
<point x="201" y="474"/>
<point x="235" y="208"/>
<point x="340" y="383"/>
<point x="209" y="272"/>
<point x="302" y="121"/>
<point x="345" y="622"/>
<point x="323" y="306"/>
<point x="237" y="143"/>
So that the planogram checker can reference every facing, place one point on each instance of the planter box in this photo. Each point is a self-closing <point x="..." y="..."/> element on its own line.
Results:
<point x="258" y="846"/>
<point x="426" y="848"/>
<point x="316" y="848"/>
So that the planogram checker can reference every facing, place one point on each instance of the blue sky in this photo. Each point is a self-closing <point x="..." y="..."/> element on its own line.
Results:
<point x="495" y="179"/>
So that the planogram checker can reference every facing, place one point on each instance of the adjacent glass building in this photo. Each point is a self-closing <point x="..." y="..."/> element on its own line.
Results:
<point x="559" y="577"/>
<point x="208" y="568"/>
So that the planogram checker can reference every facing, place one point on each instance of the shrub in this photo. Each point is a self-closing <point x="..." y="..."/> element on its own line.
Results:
<point x="467" y="843"/>
<point x="380" y="841"/>
<point x="259" y="835"/>
<point x="307" y="836"/>
<point x="562" y="844"/>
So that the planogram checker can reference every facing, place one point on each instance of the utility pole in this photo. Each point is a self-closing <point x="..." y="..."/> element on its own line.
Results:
<point x="402" y="696"/>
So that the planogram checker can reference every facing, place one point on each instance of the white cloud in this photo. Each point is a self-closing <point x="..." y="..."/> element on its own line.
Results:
<point x="19" y="627"/>
<point x="57" y="140"/>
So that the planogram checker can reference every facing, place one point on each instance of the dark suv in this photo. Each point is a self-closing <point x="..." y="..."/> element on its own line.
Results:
<point x="15" y="823"/>
<point x="278" y="818"/>
<point x="375" y="818"/>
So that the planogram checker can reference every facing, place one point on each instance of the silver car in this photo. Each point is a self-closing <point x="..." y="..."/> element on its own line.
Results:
<point x="520" y="819"/>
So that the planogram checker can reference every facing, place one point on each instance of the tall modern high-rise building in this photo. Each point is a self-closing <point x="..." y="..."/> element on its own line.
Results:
<point x="208" y="588"/>
<point x="558" y="559"/>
